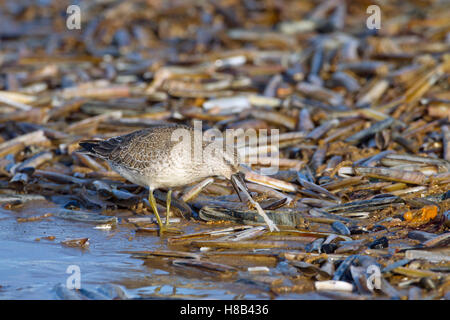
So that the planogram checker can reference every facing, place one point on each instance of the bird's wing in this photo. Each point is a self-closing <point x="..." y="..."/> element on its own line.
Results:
<point x="132" y="150"/>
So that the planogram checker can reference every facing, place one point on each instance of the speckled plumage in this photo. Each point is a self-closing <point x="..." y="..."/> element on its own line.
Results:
<point x="167" y="157"/>
<point x="154" y="157"/>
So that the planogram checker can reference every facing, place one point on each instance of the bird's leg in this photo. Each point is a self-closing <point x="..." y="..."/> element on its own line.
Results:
<point x="152" y="201"/>
<point x="169" y="197"/>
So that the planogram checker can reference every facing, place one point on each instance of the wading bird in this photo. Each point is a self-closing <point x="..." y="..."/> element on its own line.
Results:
<point x="169" y="156"/>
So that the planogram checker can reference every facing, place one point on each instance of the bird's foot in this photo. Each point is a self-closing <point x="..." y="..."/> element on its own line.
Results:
<point x="168" y="230"/>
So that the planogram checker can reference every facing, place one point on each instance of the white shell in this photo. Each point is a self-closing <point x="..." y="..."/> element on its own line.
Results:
<point x="258" y="269"/>
<point x="333" y="285"/>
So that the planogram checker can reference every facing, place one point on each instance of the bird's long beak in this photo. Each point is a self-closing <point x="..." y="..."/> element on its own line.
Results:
<point x="237" y="180"/>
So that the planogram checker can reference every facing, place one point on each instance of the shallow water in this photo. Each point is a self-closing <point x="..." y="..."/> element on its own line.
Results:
<point x="34" y="269"/>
